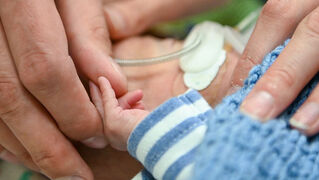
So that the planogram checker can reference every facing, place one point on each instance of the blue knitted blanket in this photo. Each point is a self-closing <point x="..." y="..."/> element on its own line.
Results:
<point x="242" y="148"/>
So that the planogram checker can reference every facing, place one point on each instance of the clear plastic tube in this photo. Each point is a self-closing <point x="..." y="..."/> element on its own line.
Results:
<point x="164" y="58"/>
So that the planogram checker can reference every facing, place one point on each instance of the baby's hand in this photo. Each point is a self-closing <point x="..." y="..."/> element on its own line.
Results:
<point x="120" y="116"/>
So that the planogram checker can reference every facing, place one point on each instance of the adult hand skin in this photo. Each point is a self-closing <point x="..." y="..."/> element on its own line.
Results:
<point x="40" y="91"/>
<point x="294" y="68"/>
<point x="125" y="20"/>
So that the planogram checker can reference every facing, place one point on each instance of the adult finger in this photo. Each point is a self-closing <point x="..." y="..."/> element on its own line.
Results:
<point x="49" y="149"/>
<point x="293" y="69"/>
<point x="307" y="117"/>
<point x="39" y="47"/>
<point x="277" y="22"/>
<point x="130" y="17"/>
<point x="7" y="156"/>
<point x="14" y="152"/>
<point x="14" y="149"/>
<point x="33" y="126"/>
<point x="89" y="40"/>
<point x="96" y="98"/>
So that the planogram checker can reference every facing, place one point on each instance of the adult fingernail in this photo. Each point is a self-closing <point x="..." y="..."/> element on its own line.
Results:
<point x="258" y="106"/>
<point x="306" y="117"/>
<point x="70" y="178"/>
<point x="116" y="19"/>
<point x="98" y="142"/>
<point x="9" y="157"/>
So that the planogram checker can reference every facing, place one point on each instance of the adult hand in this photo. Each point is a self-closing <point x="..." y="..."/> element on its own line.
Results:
<point x="294" y="68"/>
<point x="40" y="91"/>
<point x="130" y="17"/>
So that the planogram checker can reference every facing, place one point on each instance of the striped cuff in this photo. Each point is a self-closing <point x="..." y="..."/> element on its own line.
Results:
<point x="143" y="175"/>
<point x="165" y="142"/>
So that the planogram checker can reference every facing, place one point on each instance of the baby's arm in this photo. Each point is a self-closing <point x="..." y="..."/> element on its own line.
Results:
<point x="165" y="142"/>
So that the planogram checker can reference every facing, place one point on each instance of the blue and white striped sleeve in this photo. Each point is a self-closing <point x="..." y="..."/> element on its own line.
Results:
<point x="165" y="142"/>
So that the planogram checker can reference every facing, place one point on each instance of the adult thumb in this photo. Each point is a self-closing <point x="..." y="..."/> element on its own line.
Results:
<point x="128" y="18"/>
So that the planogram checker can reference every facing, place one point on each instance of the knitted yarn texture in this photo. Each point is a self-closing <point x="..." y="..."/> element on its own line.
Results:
<point x="239" y="147"/>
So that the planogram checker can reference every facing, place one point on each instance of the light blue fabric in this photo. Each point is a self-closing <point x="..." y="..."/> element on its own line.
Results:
<point x="149" y="122"/>
<point x="177" y="133"/>
<point x="236" y="146"/>
<point x="146" y="175"/>
<point x="174" y="134"/>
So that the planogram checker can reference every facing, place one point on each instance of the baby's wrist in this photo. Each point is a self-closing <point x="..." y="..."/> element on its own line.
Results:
<point x="141" y="116"/>
<point x="133" y="127"/>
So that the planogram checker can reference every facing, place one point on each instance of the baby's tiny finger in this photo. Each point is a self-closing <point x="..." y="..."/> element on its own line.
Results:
<point x="307" y="117"/>
<point x="139" y="105"/>
<point x="130" y="99"/>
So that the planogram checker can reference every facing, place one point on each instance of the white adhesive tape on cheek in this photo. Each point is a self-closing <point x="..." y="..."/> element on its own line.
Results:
<point x="212" y="42"/>
<point x="202" y="65"/>
<point x="202" y="80"/>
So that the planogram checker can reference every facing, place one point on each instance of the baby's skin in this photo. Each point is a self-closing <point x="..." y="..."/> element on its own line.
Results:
<point x="158" y="82"/>
<point x="149" y="87"/>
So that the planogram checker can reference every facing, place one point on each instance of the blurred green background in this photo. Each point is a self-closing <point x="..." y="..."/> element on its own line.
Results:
<point x="230" y="14"/>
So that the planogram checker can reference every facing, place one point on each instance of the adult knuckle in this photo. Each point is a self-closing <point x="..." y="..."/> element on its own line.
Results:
<point x="37" y="69"/>
<point x="279" y="9"/>
<point x="248" y="59"/>
<point x="98" y="27"/>
<point x="312" y="23"/>
<point x="100" y="32"/>
<point x="9" y="96"/>
<point x="97" y="30"/>
<point x="136" y="21"/>
<point x="24" y="155"/>
<point x="75" y="130"/>
<point x="281" y="78"/>
<point x="51" y="157"/>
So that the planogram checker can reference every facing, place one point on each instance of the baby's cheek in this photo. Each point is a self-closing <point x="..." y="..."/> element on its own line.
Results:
<point x="222" y="86"/>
